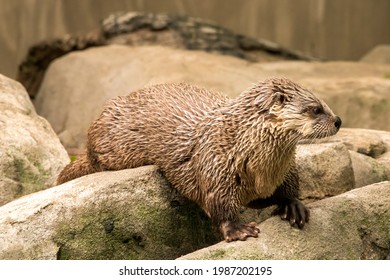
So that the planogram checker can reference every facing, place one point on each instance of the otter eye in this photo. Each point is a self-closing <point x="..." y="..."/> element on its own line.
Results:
<point x="317" y="110"/>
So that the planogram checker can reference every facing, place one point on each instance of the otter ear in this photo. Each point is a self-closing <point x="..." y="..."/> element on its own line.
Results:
<point x="280" y="98"/>
<point x="263" y="101"/>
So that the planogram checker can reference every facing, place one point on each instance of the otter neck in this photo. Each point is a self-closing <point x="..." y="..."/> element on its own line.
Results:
<point x="263" y="153"/>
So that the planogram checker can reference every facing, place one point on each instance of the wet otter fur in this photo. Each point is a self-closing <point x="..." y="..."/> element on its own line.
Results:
<point x="221" y="153"/>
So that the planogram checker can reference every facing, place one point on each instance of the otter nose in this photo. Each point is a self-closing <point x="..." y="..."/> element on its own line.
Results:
<point x="337" y="122"/>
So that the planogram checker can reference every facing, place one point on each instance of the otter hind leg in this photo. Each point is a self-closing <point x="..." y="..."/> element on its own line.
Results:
<point x="80" y="167"/>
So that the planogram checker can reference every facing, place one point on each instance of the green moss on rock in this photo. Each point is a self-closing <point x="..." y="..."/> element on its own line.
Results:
<point x="217" y="254"/>
<point x="144" y="232"/>
<point x="30" y="173"/>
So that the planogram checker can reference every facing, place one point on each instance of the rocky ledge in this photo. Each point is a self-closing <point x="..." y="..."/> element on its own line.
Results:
<point x="354" y="225"/>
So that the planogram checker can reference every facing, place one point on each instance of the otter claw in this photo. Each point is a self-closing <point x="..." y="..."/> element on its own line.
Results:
<point x="233" y="231"/>
<point x="295" y="212"/>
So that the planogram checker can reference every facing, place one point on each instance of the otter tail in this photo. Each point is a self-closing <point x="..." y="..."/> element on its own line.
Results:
<point x="80" y="167"/>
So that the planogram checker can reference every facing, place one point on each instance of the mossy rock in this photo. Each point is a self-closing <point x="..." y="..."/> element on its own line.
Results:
<point x="127" y="214"/>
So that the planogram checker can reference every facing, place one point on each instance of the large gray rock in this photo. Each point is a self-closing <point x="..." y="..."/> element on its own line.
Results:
<point x="324" y="170"/>
<point x="77" y="85"/>
<point x="350" y="159"/>
<point x="372" y="143"/>
<point x="31" y="154"/>
<point x="353" y="225"/>
<point x="128" y="214"/>
<point x="369" y="152"/>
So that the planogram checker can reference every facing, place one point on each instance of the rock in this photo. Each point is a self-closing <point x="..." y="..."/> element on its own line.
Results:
<point x="352" y="158"/>
<point x="368" y="170"/>
<point x="77" y="85"/>
<point x="372" y="143"/>
<point x="354" y="225"/>
<point x="32" y="70"/>
<point x="379" y="54"/>
<point x="369" y="152"/>
<point x="324" y="170"/>
<point x="31" y="154"/>
<point x="127" y="214"/>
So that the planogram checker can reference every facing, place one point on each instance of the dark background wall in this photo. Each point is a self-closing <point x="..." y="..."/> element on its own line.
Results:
<point x="328" y="29"/>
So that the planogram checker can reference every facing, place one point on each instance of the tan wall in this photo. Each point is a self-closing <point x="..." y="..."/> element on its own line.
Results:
<point x="330" y="29"/>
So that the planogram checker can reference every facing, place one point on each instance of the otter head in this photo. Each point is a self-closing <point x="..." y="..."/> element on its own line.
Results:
<point x="292" y="108"/>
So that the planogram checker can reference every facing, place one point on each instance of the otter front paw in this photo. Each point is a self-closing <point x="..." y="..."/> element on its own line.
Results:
<point x="293" y="211"/>
<point x="238" y="231"/>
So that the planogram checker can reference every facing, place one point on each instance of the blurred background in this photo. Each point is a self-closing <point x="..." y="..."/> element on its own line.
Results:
<point x="67" y="58"/>
<point x="326" y="29"/>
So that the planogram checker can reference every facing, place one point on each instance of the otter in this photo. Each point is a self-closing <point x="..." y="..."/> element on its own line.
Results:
<point x="221" y="153"/>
